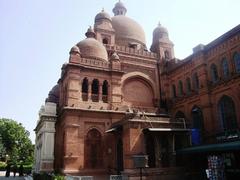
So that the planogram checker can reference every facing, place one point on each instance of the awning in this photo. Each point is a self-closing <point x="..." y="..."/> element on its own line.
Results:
<point x="110" y="130"/>
<point x="167" y="129"/>
<point x="221" y="147"/>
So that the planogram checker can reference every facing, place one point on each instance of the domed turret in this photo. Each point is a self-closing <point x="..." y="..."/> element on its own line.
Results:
<point x="161" y="43"/>
<point x="102" y="16"/>
<point x="90" y="33"/>
<point x="53" y="95"/>
<point x="74" y="50"/>
<point x="119" y="9"/>
<point x="160" y="32"/>
<point x="91" y="48"/>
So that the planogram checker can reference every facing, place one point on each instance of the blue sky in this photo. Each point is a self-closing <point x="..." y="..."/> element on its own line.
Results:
<point x="36" y="36"/>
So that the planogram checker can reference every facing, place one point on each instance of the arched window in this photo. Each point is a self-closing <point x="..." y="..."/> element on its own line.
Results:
<point x="188" y="85"/>
<point x="179" y="116"/>
<point x="105" y="41"/>
<point x="105" y="91"/>
<point x="95" y="90"/>
<point x="166" y="54"/>
<point x="195" y="82"/>
<point x="225" y="68"/>
<point x="174" y="95"/>
<point x="214" y="73"/>
<point x="93" y="153"/>
<point x="180" y="88"/>
<point x="85" y="89"/>
<point x="236" y="58"/>
<point x="227" y="113"/>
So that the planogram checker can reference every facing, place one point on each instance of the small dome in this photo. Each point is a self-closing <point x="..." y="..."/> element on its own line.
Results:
<point x="53" y="95"/>
<point x="160" y="32"/>
<point x="102" y="15"/>
<point x="91" y="48"/>
<point x="115" y="56"/>
<point x="119" y="9"/>
<point x="75" y="49"/>
<point x="128" y="30"/>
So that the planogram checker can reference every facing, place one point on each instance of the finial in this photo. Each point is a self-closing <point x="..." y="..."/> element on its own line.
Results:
<point x="102" y="9"/>
<point x="159" y="24"/>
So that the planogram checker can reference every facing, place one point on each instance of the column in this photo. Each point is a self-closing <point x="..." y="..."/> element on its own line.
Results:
<point x="90" y="90"/>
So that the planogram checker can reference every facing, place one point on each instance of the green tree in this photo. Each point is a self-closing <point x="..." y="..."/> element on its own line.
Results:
<point x="15" y="141"/>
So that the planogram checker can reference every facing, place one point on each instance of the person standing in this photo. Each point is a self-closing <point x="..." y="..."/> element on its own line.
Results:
<point x="21" y="170"/>
<point x="8" y="170"/>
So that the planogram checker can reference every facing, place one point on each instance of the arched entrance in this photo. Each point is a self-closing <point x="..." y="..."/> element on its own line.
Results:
<point x="197" y="124"/>
<point x="93" y="149"/>
<point x="150" y="150"/>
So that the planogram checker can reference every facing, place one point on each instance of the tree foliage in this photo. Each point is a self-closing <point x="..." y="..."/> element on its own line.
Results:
<point x="15" y="144"/>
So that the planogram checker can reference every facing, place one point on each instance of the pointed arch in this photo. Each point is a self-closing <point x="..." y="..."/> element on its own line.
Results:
<point x="188" y="85"/>
<point x="180" y="88"/>
<point x="85" y="89"/>
<point x="105" y="91"/>
<point x="236" y="58"/>
<point x="227" y="113"/>
<point x="225" y="68"/>
<point x="95" y="90"/>
<point x="195" y="80"/>
<point x="197" y="118"/>
<point x="93" y="149"/>
<point x="214" y="73"/>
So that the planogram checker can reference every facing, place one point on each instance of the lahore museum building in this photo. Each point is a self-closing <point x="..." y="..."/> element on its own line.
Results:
<point x="119" y="107"/>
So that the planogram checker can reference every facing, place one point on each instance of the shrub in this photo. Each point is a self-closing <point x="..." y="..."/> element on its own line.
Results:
<point x="2" y="166"/>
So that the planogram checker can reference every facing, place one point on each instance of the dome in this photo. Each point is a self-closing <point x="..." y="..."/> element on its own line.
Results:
<point x="119" y="9"/>
<point x="53" y="95"/>
<point x="128" y="29"/>
<point x="75" y="49"/>
<point x="91" y="48"/>
<point x="102" y="15"/>
<point x="160" y="32"/>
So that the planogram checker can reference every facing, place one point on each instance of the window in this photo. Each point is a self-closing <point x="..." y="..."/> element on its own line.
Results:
<point x="166" y="54"/>
<point x="105" y="91"/>
<point x="227" y="113"/>
<point x="105" y="41"/>
<point x="236" y="58"/>
<point x="188" y="85"/>
<point x="174" y="91"/>
<point x="180" y="88"/>
<point x="195" y="82"/>
<point x="214" y="73"/>
<point x="95" y="90"/>
<point x="225" y="68"/>
<point x="180" y="116"/>
<point x="85" y="89"/>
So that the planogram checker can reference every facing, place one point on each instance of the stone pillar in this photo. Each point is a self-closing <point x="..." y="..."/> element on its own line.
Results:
<point x="90" y="91"/>
<point x="80" y="90"/>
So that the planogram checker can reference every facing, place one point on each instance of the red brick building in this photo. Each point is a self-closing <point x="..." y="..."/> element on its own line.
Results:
<point x="115" y="99"/>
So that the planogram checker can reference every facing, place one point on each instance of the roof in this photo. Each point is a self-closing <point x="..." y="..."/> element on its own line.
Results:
<point x="211" y="148"/>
